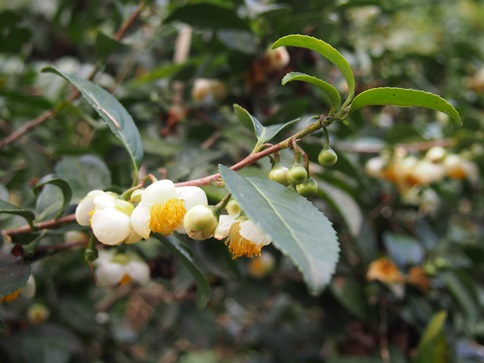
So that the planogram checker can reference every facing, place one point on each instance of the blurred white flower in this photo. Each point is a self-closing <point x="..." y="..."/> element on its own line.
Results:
<point x="113" y="268"/>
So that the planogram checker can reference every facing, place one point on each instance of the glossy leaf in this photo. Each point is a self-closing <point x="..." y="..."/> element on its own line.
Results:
<point x="203" y="287"/>
<point x="433" y="345"/>
<point x="263" y="133"/>
<point x="61" y="184"/>
<point x="332" y="92"/>
<point x="208" y="15"/>
<point x="6" y="207"/>
<point x="14" y="273"/>
<point x="390" y="96"/>
<point x="326" y="50"/>
<point x="351" y="294"/>
<point x="112" y="112"/>
<point x="295" y="225"/>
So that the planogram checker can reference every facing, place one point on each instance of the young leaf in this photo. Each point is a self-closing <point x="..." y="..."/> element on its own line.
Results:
<point x="263" y="133"/>
<point x="295" y="225"/>
<point x="326" y="50"/>
<point x="6" y="207"/>
<point x="14" y="273"/>
<point x="61" y="184"/>
<point x="433" y="346"/>
<point x="390" y="96"/>
<point x="112" y="112"/>
<point x="203" y="287"/>
<point x="332" y="92"/>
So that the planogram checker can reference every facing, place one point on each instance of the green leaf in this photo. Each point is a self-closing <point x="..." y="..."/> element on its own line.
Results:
<point x="106" y="45"/>
<point x="462" y="292"/>
<point x="332" y="92"/>
<point x="84" y="173"/>
<point x="6" y="207"/>
<point x="351" y="295"/>
<point x="263" y="133"/>
<point x="61" y="184"/>
<point x="14" y="273"/>
<point x="391" y="96"/>
<point x="326" y="50"/>
<point x="433" y="345"/>
<point x="207" y="15"/>
<point x="203" y="287"/>
<point x="112" y="112"/>
<point x="296" y="226"/>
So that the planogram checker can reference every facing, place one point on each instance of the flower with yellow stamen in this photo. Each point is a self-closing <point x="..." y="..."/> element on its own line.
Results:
<point x="163" y="207"/>
<point x="244" y="237"/>
<point x="112" y="269"/>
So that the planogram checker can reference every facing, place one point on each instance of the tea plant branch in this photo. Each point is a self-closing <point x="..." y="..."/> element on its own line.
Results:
<point x="50" y="224"/>
<point x="46" y="115"/>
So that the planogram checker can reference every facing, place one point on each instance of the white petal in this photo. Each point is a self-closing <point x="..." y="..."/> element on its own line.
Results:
<point x="110" y="226"/>
<point x="103" y="201"/>
<point x="223" y="227"/>
<point x="192" y="196"/>
<point x="86" y="206"/>
<point x="140" y="220"/>
<point x="159" y="192"/>
<point x="109" y="273"/>
<point x="133" y="238"/>
<point x="28" y="291"/>
<point x="139" y="271"/>
<point x="250" y="231"/>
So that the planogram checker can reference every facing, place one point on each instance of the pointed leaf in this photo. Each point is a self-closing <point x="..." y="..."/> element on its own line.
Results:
<point x="6" y="207"/>
<point x="391" y="96"/>
<point x="112" y="112"/>
<point x="332" y="92"/>
<point x="263" y="133"/>
<point x="203" y="287"/>
<point x="296" y="226"/>
<point x="14" y="273"/>
<point x="433" y="345"/>
<point x="61" y="184"/>
<point x="326" y="50"/>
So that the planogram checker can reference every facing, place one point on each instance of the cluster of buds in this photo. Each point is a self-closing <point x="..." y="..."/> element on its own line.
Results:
<point x="164" y="208"/>
<point x="411" y="174"/>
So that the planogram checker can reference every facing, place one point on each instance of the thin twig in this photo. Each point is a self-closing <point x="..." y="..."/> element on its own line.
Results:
<point x="53" y="223"/>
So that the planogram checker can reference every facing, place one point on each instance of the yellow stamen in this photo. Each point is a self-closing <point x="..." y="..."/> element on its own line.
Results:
<point x="10" y="297"/>
<point x="91" y="213"/>
<point x="239" y="246"/>
<point x="126" y="279"/>
<point x="167" y="217"/>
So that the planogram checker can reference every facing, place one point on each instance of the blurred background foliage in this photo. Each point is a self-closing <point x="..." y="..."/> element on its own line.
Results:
<point x="409" y="286"/>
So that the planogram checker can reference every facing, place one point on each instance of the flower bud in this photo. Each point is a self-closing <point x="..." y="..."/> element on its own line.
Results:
<point x="297" y="174"/>
<point x="278" y="174"/>
<point x="261" y="266"/>
<point x="327" y="157"/>
<point x="307" y="188"/>
<point x="233" y="209"/>
<point x="200" y="222"/>
<point x="37" y="313"/>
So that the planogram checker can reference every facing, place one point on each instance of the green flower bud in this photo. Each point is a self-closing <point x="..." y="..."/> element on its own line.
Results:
<point x="233" y="208"/>
<point x="327" y="157"/>
<point x="308" y="188"/>
<point x="278" y="174"/>
<point x="200" y="222"/>
<point x="297" y="174"/>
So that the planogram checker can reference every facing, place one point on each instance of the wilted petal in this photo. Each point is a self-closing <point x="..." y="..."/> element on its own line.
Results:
<point x="223" y="227"/>
<point x="250" y="231"/>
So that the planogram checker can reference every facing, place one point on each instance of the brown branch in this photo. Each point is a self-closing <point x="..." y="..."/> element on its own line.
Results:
<point x="53" y="223"/>
<point x="29" y="125"/>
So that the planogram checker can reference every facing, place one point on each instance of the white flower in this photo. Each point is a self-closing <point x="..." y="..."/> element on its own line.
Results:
<point x="456" y="167"/>
<point x="108" y="216"/>
<point x="163" y="207"/>
<point x="245" y="238"/>
<point x="112" y="268"/>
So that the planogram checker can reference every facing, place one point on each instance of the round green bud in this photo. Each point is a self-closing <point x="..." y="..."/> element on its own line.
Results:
<point x="201" y="221"/>
<point x="297" y="174"/>
<point x="308" y="188"/>
<point x="327" y="157"/>
<point x="233" y="208"/>
<point x="278" y="174"/>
